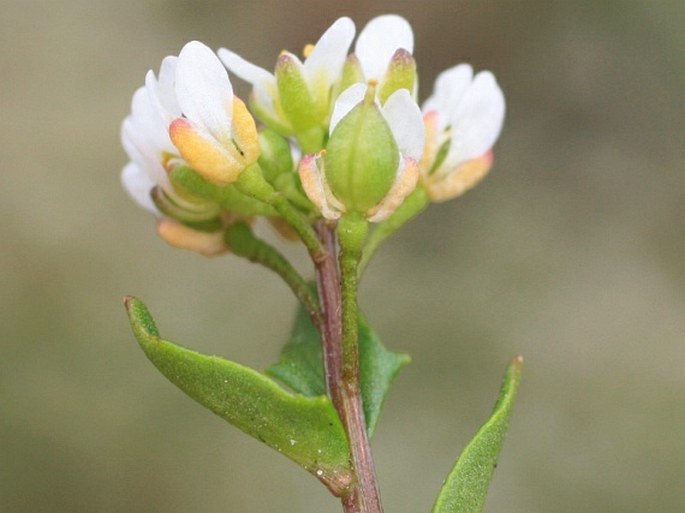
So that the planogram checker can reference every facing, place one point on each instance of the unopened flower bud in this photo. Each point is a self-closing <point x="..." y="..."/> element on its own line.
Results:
<point x="181" y="236"/>
<point x="401" y="74"/>
<point x="276" y="156"/>
<point x="194" y="212"/>
<point x="297" y="100"/>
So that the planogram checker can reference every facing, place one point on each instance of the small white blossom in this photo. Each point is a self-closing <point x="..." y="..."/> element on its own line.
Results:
<point x="463" y="118"/>
<point x="186" y="116"/>
<point x="145" y="136"/>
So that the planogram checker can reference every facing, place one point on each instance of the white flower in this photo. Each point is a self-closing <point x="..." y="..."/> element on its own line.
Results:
<point x="463" y="119"/>
<point x="217" y="136"/>
<point x="319" y="72"/>
<point x="145" y="136"/>
<point x="379" y="41"/>
<point x="404" y="120"/>
<point x="186" y="116"/>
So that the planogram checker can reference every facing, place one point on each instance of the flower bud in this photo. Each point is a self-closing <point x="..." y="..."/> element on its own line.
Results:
<point x="352" y="73"/>
<point x="199" y="214"/>
<point x="296" y="98"/>
<point x="181" y="236"/>
<point x="276" y="157"/>
<point x="401" y="74"/>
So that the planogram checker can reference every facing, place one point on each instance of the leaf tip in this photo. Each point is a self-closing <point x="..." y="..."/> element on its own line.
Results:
<point x="139" y="316"/>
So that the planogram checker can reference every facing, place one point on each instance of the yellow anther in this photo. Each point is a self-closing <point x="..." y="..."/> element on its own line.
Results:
<point x="307" y="50"/>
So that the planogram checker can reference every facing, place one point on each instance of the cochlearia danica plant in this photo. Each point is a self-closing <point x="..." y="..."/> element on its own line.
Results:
<point x="334" y="151"/>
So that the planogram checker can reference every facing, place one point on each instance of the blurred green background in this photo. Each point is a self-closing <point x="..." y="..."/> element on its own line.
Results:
<point x="571" y="253"/>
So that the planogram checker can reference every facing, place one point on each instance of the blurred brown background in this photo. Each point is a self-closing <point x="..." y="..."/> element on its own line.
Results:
<point x="570" y="253"/>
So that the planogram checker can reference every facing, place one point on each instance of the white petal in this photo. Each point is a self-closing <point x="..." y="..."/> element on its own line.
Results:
<point x="447" y="92"/>
<point x="162" y="91"/>
<point x="379" y="40"/>
<point x="138" y="185"/>
<point x="328" y="57"/>
<point x="148" y="123"/>
<point x="143" y="152"/>
<point x="477" y="121"/>
<point x="147" y="127"/>
<point x="249" y="72"/>
<point x="204" y="91"/>
<point x="263" y="82"/>
<point x="406" y="122"/>
<point x="347" y="100"/>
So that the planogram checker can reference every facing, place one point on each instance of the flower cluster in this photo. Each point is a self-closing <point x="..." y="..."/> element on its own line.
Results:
<point x="336" y="134"/>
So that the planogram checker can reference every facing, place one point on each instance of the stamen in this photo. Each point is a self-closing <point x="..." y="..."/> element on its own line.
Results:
<point x="307" y="50"/>
<point x="370" y="96"/>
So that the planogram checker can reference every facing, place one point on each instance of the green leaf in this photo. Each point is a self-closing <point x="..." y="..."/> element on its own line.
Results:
<point x="300" y="365"/>
<point x="305" y="429"/>
<point x="467" y="484"/>
<point x="378" y="369"/>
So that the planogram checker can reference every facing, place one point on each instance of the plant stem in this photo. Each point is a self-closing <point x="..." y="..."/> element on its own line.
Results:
<point x="252" y="183"/>
<point x="412" y="206"/>
<point x="337" y="293"/>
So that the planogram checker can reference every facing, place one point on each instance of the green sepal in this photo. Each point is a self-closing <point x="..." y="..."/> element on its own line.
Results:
<point x="300" y="365"/>
<point x="401" y="74"/>
<point x="467" y="484"/>
<point x="312" y="139"/>
<point x="352" y="73"/>
<point x="275" y="157"/>
<point x="228" y="197"/>
<point x="263" y="114"/>
<point x="305" y="429"/>
<point x="199" y="214"/>
<point x="297" y="99"/>
<point x="440" y="156"/>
